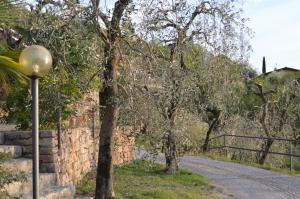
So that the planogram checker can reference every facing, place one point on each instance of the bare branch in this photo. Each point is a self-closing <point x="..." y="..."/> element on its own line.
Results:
<point x="104" y="18"/>
<point x="198" y="10"/>
<point x="120" y="6"/>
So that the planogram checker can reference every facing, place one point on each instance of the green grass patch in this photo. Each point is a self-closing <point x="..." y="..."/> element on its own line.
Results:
<point x="5" y="156"/>
<point x="252" y="164"/>
<point x="142" y="180"/>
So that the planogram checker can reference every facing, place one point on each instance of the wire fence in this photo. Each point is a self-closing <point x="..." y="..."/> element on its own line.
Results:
<point x="222" y="142"/>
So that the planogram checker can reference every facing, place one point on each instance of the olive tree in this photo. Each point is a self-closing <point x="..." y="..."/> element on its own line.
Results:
<point x="278" y="108"/>
<point x="65" y="29"/>
<point x="108" y="96"/>
<point x="171" y="26"/>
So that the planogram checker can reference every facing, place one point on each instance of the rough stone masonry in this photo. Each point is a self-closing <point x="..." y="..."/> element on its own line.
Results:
<point x="77" y="154"/>
<point x="78" y="151"/>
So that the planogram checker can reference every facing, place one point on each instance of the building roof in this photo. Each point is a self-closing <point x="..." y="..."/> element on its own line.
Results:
<point x="281" y="69"/>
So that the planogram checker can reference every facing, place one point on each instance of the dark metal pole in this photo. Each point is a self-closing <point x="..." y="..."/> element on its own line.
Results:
<point x="35" y="136"/>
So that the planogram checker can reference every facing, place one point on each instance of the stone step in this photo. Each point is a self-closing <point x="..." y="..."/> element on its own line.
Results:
<point x="14" y="150"/>
<point x="2" y="138"/>
<point x="18" y="165"/>
<point x="20" y="189"/>
<point x="55" y="192"/>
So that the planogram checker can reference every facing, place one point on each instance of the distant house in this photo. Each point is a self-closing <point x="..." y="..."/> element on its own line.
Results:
<point x="281" y="71"/>
<point x="279" y="74"/>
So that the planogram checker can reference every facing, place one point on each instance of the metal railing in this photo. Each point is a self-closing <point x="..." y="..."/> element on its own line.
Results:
<point x="224" y="145"/>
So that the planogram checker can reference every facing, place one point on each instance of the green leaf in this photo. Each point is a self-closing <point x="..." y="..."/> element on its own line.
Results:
<point x="11" y="68"/>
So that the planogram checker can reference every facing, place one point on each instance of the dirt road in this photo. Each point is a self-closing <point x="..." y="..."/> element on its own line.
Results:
<point x="245" y="182"/>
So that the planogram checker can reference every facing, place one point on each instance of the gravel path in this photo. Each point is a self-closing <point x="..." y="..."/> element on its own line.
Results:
<point x="244" y="182"/>
<point x="240" y="181"/>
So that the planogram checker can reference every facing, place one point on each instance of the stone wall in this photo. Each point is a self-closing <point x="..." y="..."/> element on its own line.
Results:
<point x="78" y="151"/>
<point x="77" y="154"/>
<point x="85" y="112"/>
<point x="124" y="146"/>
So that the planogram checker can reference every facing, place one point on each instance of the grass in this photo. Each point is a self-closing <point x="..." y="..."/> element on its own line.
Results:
<point x="142" y="180"/>
<point x="265" y="166"/>
<point x="5" y="156"/>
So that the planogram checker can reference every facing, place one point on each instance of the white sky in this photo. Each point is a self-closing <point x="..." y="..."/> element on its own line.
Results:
<point x="276" y="26"/>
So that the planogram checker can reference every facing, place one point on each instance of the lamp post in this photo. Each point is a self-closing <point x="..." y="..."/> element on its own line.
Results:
<point x="36" y="62"/>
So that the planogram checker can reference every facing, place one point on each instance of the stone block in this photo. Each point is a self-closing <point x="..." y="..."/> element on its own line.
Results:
<point x="47" y="168"/>
<point x="24" y="142"/>
<point x="19" y="189"/>
<point x="18" y="165"/>
<point x="2" y="138"/>
<point x="48" y="158"/>
<point x="48" y="142"/>
<point x="15" y="151"/>
<point x="48" y="134"/>
<point x="13" y="135"/>
<point x="48" y="150"/>
<point x="27" y="150"/>
<point x="25" y="134"/>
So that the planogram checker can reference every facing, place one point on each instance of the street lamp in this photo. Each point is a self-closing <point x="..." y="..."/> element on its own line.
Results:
<point x="36" y="62"/>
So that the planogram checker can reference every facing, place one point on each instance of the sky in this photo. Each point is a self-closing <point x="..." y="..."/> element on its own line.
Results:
<point x="276" y="26"/>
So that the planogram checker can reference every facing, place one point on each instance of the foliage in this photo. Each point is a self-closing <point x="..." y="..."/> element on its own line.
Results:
<point x="176" y="40"/>
<point x="9" y="67"/>
<point x="182" y="72"/>
<point x="272" y="110"/>
<point x="11" y="12"/>
<point x="67" y="33"/>
<point x="149" y="180"/>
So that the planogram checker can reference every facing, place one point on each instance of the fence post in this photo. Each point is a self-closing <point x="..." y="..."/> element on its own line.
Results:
<point x="291" y="156"/>
<point x="224" y="144"/>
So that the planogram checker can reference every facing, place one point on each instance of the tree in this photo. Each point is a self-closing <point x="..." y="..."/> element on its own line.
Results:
<point x="175" y="24"/>
<point x="278" y="99"/>
<point x="217" y="90"/>
<point x="9" y="67"/>
<point x="66" y="30"/>
<point x="108" y="97"/>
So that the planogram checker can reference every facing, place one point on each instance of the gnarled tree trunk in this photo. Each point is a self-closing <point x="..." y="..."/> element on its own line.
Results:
<point x="211" y="126"/>
<point x="171" y="153"/>
<point x="108" y="97"/>
<point x="104" y="181"/>
<point x="266" y="148"/>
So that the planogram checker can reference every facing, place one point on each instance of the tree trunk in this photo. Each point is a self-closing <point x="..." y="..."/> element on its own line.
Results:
<point x="104" y="181"/>
<point x="212" y="125"/>
<point x="266" y="149"/>
<point x="171" y="154"/>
